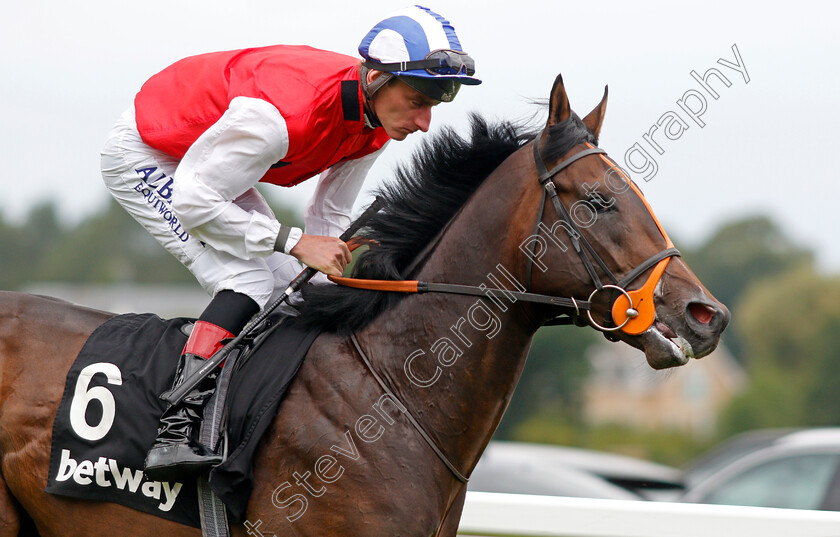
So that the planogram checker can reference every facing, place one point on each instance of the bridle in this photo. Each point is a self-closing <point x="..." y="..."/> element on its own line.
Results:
<point x="625" y="314"/>
<point x="632" y="312"/>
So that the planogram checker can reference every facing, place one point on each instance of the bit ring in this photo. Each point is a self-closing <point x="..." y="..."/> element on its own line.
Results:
<point x="629" y="314"/>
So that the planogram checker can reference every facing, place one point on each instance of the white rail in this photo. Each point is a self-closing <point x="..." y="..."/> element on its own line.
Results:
<point x="516" y="515"/>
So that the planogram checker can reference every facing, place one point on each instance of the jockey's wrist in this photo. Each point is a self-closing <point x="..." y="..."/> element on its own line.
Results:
<point x="287" y="238"/>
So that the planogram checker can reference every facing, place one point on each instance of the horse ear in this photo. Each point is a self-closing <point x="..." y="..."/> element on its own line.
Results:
<point x="595" y="118"/>
<point x="559" y="110"/>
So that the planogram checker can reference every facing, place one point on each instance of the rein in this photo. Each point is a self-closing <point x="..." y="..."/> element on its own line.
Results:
<point x="420" y="287"/>
<point x="633" y="310"/>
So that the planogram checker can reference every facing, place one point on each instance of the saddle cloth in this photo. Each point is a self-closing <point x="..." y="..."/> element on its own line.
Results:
<point x="108" y="415"/>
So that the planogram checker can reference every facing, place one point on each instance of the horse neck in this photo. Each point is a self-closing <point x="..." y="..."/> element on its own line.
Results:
<point x="453" y="360"/>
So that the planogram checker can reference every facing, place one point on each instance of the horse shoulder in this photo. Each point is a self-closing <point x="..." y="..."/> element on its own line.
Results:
<point x="332" y="445"/>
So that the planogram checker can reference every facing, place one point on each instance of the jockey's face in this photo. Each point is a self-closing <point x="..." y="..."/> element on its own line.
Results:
<point x="401" y="109"/>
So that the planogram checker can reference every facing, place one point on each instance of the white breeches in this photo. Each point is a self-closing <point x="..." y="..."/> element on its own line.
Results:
<point x="141" y="179"/>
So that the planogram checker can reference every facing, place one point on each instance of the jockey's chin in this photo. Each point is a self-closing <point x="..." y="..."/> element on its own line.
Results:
<point x="399" y="133"/>
<point x="402" y="110"/>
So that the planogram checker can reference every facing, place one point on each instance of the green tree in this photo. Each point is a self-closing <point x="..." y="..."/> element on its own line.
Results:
<point x="790" y="326"/>
<point x="24" y="245"/>
<point x="108" y="246"/>
<point x="739" y="254"/>
<point x="744" y="251"/>
<point x="13" y="272"/>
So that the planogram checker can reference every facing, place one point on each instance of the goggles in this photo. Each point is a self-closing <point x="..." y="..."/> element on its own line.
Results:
<point x="437" y="62"/>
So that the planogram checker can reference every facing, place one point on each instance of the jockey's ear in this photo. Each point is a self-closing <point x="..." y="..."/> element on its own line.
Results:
<point x="375" y="80"/>
<point x="373" y="74"/>
<point x="559" y="110"/>
<point x="595" y="118"/>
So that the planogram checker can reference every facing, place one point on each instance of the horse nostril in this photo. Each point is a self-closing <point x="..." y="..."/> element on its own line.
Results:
<point x="703" y="313"/>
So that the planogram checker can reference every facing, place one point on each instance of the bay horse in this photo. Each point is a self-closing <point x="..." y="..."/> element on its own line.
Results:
<point x="398" y="399"/>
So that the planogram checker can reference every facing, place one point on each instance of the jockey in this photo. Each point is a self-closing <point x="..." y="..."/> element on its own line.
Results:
<point x="184" y="158"/>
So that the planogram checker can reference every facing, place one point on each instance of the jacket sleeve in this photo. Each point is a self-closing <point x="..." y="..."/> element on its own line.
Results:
<point x="329" y="209"/>
<point x="224" y="164"/>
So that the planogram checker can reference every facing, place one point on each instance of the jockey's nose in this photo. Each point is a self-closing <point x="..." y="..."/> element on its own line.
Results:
<point x="424" y="118"/>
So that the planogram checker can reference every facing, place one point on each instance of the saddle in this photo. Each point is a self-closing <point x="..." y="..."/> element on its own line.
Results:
<point x="109" y="413"/>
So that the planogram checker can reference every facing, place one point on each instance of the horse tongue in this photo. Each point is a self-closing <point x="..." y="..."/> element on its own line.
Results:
<point x="665" y="330"/>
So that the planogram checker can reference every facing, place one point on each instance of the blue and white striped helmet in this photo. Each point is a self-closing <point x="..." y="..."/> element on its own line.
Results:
<point x="421" y="47"/>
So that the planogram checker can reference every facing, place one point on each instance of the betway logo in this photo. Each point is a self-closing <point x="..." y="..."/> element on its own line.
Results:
<point x="87" y="473"/>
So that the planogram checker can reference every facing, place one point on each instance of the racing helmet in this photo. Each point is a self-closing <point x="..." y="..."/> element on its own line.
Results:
<point x="421" y="48"/>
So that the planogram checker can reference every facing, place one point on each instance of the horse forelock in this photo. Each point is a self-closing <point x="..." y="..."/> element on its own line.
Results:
<point x="564" y="136"/>
<point x="427" y="192"/>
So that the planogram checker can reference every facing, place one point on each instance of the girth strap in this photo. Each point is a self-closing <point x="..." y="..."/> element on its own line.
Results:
<point x="411" y="419"/>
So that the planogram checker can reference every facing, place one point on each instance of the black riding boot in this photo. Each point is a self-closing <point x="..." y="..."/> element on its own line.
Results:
<point x="175" y="453"/>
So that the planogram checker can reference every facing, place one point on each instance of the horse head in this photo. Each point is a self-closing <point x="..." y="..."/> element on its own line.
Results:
<point x="593" y="248"/>
<point x="640" y="291"/>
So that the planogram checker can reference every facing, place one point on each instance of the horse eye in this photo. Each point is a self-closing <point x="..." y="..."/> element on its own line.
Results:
<point x="601" y="205"/>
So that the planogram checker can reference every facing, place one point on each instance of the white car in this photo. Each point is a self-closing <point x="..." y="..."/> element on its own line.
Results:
<point x="796" y="470"/>
<point x="523" y="468"/>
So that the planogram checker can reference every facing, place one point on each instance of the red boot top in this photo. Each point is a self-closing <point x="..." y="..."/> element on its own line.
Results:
<point x="205" y="339"/>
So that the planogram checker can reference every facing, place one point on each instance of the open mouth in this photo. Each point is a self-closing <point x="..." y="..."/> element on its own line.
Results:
<point x="680" y="349"/>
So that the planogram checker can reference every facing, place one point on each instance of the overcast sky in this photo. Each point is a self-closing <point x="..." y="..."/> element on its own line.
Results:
<point x="68" y="69"/>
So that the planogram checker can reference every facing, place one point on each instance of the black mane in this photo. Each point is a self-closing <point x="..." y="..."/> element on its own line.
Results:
<point x="443" y="173"/>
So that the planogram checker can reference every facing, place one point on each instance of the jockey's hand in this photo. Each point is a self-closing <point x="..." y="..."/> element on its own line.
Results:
<point x="325" y="254"/>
